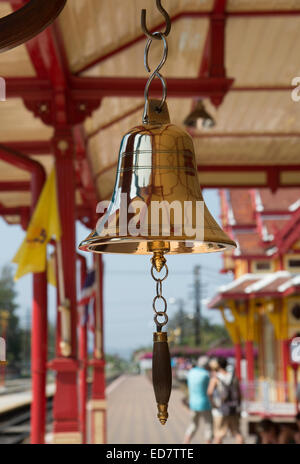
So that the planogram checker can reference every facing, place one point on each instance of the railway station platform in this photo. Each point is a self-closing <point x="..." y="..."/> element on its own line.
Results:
<point x="132" y="415"/>
<point x="11" y="401"/>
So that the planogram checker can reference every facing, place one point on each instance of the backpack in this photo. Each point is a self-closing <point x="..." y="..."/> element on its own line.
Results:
<point x="230" y="397"/>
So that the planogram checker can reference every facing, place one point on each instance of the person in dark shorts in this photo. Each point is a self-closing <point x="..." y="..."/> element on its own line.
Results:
<point x="267" y="432"/>
<point x="224" y="393"/>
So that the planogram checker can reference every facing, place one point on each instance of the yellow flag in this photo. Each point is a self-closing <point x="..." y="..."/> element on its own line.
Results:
<point x="44" y="224"/>
<point x="51" y="274"/>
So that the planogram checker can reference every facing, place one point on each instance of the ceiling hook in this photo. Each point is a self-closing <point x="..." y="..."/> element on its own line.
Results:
<point x="165" y="15"/>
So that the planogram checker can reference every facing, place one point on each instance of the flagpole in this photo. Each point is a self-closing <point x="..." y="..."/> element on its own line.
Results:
<point x="64" y="307"/>
<point x="97" y="404"/>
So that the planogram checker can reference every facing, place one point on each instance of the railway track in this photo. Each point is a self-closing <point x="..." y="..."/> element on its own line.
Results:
<point x="15" y="425"/>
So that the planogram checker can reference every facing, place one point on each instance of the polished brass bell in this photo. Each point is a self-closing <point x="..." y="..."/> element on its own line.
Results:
<point x="157" y="208"/>
<point x="157" y="168"/>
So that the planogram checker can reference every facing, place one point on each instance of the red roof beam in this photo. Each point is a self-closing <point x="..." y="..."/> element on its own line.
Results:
<point x="15" y="186"/>
<point x="94" y="87"/>
<point x="84" y="170"/>
<point x="33" y="88"/>
<point x="177" y="17"/>
<point x="31" y="147"/>
<point x="14" y="211"/>
<point x="30" y="88"/>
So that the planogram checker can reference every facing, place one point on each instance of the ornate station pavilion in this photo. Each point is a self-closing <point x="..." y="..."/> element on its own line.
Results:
<point x="264" y="299"/>
<point x="76" y="87"/>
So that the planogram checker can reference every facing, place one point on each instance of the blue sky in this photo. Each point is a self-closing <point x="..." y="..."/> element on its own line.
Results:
<point x="129" y="288"/>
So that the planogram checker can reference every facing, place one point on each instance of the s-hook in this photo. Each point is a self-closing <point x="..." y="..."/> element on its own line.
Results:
<point x="165" y="15"/>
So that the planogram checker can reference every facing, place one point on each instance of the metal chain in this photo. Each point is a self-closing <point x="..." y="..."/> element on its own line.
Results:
<point x="162" y="312"/>
<point x="158" y="36"/>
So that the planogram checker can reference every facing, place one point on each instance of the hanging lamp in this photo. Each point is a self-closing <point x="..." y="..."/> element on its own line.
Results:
<point x="157" y="207"/>
<point x="199" y="113"/>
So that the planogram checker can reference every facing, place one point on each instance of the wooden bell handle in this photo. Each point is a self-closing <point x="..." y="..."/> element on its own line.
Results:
<point x="27" y="22"/>
<point x="161" y="374"/>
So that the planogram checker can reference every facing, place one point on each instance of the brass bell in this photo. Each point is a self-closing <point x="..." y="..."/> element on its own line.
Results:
<point x="157" y="208"/>
<point x="156" y="169"/>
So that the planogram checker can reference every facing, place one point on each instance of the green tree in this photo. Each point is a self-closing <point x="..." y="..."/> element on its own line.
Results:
<point x="9" y="321"/>
<point x="211" y="334"/>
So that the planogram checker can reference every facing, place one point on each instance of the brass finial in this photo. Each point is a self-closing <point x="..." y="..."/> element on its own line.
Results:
<point x="162" y="413"/>
<point x="158" y="249"/>
<point x="158" y="260"/>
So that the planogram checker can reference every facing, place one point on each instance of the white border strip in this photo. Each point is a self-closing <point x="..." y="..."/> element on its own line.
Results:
<point x="115" y="384"/>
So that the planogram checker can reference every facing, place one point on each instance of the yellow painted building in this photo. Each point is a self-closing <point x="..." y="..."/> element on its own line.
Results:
<point x="261" y="307"/>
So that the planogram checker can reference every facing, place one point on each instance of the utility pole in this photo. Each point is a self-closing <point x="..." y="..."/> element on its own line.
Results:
<point x="197" y="296"/>
<point x="181" y="316"/>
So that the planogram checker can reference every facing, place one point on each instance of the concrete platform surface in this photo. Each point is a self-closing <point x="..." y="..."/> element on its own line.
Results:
<point x="12" y="401"/>
<point x="132" y="415"/>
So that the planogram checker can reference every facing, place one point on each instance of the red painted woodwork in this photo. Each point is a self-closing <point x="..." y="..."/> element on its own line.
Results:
<point x="33" y="147"/>
<point x="40" y="90"/>
<point x="238" y="358"/>
<point x="250" y="361"/>
<point x="62" y="101"/>
<point x="83" y="168"/>
<point x="289" y="235"/>
<point x="285" y="364"/>
<point x="83" y="357"/>
<point x="49" y="59"/>
<point x="216" y="45"/>
<point x="94" y="87"/>
<point x="65" y="405"/>
<point x="15" y="186"/>
<point x="39" y="306"/>
<point x="183" y="15"/>
<point x="98" y="362"/>
<point x="65" y="412"/>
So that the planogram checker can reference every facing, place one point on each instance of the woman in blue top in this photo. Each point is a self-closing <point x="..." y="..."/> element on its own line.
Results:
<point x="198" y="380"/>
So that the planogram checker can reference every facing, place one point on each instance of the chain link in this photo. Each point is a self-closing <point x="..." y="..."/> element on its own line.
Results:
<point x="160" y="313"/>
<point x="155" y="73"/>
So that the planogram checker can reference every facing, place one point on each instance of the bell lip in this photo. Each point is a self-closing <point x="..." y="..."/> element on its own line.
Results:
<point x="86" y="245"/>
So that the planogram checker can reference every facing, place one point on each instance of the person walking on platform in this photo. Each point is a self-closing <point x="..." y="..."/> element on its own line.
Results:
<point x="199" y="403"/>
<point x="224" y="393"/>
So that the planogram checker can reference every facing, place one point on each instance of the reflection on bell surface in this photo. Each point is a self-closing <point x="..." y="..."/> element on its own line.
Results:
<point x="157" y="199"/>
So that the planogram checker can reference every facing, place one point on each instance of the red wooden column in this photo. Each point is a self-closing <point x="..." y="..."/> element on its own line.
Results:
<point x="97" y="405"/>
<point x="238" y="358"/>
<point x="39" y="342"/>
<point x="39" y="305"/>
<point x="83" y="346"/>
<point x="250" y="361"/>
<point x="65" y="407"/>
<point x="285" y="364"/>
<point x="39" y="354"/>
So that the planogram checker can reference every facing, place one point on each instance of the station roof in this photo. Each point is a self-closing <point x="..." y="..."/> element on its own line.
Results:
<point x="276" y="284"/>
<point x="257" y="218"/>
<point x="255" y="140"/>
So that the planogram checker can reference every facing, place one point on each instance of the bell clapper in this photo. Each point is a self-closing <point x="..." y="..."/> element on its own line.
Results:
<point x="161" y="362"/>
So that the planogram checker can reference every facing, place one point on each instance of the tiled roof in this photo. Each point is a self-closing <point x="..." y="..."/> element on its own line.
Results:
<point x="269" y="283"/>
<point x="250" y="243"/>
<point x="273" y="226"/>
<point x="280" y="200"/>
<point x="258" y="285"/>
<point x="242" y="206"/>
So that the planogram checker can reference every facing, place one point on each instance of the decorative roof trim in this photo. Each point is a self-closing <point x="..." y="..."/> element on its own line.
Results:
<point x="266" y="280"/>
